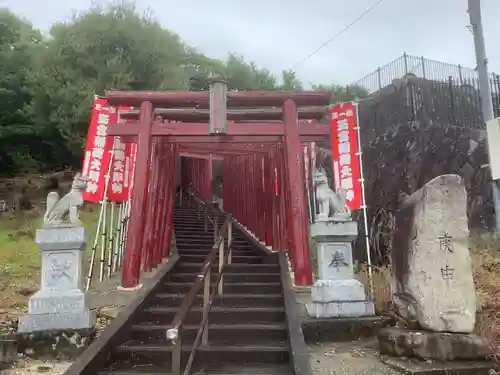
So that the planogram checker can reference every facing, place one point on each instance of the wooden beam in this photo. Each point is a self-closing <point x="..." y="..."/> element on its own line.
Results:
<point x="257" y="139"/>
<point x="224" y="139"/>
<point x="221" y="153"/>
<point x="234" y="114"/>
<point x="201" y="98"/>
<point x="161" y="128"/>
<point x="226" y="147"/>
<point x="263" y="128"/>
<point x="229" y="146"/>
<point x="198" y="155"/>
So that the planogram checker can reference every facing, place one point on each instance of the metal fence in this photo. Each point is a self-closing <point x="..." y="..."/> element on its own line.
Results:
<point x="420" y="67"/>
<point x="413" y="88"/>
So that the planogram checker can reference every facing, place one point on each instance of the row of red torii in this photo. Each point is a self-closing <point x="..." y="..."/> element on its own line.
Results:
<point x="257" y="134"/>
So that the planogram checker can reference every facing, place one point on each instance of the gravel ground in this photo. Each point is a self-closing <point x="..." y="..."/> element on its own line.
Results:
<point x="31" y="367"/>
<point x="357" y="358"/>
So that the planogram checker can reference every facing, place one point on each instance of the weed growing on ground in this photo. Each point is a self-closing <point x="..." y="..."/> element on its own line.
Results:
<point x="486" y="270"/>
<point x="381" y="287"/>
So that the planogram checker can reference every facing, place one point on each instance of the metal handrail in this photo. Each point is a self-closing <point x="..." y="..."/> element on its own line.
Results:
<point x="203" y="278"/>
<point x="202" y="329"/>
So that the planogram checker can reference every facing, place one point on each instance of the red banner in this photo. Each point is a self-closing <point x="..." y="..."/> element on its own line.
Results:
<point x="120" y="177"/>
<point x="97" y="150"/>
<point x="345" y="153"/>
<point x="102" y="150"/>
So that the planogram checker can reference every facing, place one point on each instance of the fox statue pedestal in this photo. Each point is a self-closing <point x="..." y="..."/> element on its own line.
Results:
<point x="59" y="318"/>
<point x="337" y="293"/>
<point x="60" y="303"/>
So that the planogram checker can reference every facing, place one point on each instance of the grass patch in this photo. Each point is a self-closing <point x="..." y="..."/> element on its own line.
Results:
<point x="381" y="287"/>
<point x="20" y="257"/>
<point x="486" y="270"/>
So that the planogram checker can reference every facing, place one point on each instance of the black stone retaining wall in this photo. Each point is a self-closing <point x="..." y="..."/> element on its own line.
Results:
<point x="413" y="146"/>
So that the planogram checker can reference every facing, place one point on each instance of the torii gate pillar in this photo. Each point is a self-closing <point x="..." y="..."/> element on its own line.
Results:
<point x="296" y="209"/>
<point x="133" y="249"/>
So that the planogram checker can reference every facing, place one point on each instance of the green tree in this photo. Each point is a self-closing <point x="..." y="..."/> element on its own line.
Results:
<point x="19" y="42"/>
<point x="47" y="86"/>
<point x="238" y="74"/>
<point x="105" y="48"/>
<point x="340" y="94"/>
<point x="247" y="76"/>
<point x="199" y="68"/>
<point x="290" y="81"/>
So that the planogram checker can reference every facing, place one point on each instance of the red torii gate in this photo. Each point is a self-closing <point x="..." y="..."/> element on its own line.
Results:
<point x="253" y="143"/>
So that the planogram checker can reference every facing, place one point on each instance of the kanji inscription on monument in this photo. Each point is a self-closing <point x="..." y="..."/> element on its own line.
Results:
<point x="447" y="273"/>
<point x="338" y="260"/>
<point x="446" y="243"/>
<point x="60" y="268"/>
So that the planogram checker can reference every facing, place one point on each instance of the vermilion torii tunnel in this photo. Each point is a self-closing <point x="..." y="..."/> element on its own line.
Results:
<point x="256" y="135"/>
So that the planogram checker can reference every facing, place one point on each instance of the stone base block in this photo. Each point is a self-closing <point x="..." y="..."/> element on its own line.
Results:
<point x="340" y="329"/>
<point x="340" y="309"/>
<point x="50" y="302"/>
<point x="65" y="345"/>
<point x="8" y="350"/>
<point x="57" y="321"/>
<point x="418" y="367"/>
<point x="338" y="290"/>
<point x="439" y="346"/>
<point x="347" y="230"/>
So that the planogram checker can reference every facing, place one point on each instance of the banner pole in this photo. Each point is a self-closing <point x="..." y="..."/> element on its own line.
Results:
<point x="127" y="210"/>
<point x="103" y="241"/>
<point x="312" y="170"/>
<point x="94" y="251"/>
<point x="307" y="174"/>
<point x="116" y="245"/>
<point x="124" y="231"/>
<point x="112" y="231"/>
<point x="363" y="197"/>
<point x="104" y="201"/>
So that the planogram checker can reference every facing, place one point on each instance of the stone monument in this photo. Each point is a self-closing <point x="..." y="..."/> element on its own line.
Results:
<point x="432" y="276"/>
<point x="60" y="304"/>
<point x="336" y="293"/>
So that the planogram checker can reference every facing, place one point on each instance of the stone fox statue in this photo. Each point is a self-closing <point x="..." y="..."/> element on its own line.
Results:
<point x="330" y="204"/>
<point x="67" y="206"/>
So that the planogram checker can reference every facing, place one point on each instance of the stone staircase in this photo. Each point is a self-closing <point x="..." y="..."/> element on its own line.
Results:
<point x="247" y="325"/>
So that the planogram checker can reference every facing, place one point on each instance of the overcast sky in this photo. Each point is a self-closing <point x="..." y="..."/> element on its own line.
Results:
<point x="277" y="34"/>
